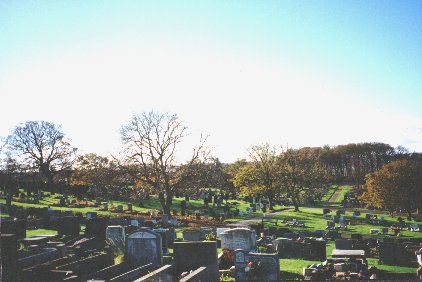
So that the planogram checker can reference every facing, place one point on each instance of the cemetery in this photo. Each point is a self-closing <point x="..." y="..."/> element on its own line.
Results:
<point x="129" y="243"/>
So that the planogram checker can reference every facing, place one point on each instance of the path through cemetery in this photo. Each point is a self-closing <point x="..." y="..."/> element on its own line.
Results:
<point x="247" y="222"/>
<point x="335" y="196"/>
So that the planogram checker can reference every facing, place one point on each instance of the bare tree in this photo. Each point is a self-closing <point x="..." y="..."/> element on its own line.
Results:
<point x="151" y="141"/>
<point x="42" y="146"/>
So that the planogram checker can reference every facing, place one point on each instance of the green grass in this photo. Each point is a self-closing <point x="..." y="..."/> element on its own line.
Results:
<point x="293" y="268"/>
<point x="390" y="268"/>
<point x="36" y="232"/>
<point x="312" y="217"/>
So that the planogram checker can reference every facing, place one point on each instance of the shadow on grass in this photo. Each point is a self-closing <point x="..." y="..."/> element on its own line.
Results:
<point x="284" y="275"/>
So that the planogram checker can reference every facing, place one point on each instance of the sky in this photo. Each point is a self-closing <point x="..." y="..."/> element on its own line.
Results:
<point x="292" y="73"/>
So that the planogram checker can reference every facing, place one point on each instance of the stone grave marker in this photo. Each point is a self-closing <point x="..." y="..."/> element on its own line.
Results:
<point x="9" y="256"/>
<point x="91" y="215"/>
<point x="238" y="238"/>
<point x="141" y="220"/>
<point x="174" y="222"/>
<point x="68" y="225"/>
<point x="204" y="231"/>
<point x="220" y="230"/>
<point x="192" y="255"/>
<point x="143" y="247"/>
<point x="115" y="235"/>
<point x="14" y="226"/>
<point x="96" y="226"/>
<point x="343" y="244"/>
<point x="129" y="207"/>
<point x="168" y="235"/>
<point x="191" y="235"/>
<point x="118" y="221"/>
<point x="119" y="208"/>
<point x="256" y="267"/>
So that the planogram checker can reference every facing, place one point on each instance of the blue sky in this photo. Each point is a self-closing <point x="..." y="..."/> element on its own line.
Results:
<point x="297" y="73"/>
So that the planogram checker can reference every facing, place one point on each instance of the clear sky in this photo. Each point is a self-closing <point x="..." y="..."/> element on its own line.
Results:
<point x="302" y="73"/>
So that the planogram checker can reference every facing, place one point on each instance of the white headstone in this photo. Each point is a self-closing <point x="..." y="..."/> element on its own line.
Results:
<point x="238" y="238"/>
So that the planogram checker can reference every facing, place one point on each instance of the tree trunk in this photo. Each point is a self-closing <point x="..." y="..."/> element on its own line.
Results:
<point x="295" y="204"/>
<point x="169" y="202"/>
<point x="409" y="214"/>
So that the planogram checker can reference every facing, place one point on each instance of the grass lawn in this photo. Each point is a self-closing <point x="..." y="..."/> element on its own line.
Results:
<point x="36" y="232"/>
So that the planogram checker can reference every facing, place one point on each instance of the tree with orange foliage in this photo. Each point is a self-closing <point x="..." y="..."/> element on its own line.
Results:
<point x="395" y="185"/>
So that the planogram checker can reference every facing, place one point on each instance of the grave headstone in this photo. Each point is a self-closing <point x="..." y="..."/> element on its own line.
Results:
<point x="256" y="267"/>
<point x="192" y="255"/>
<point x="143" y="247"/>
<point x="68" y="225"/>
<point x="134" y="222"/>
<point x="119" y="208"/>
<point x="96" y="227"/>
<point x="238" y="238"/>
<point x="91" y="215"/>
<point x="174" y="222"/>
<point x="343" y="244"/>
<point x="9" y="256"/>
<point x="115" y="235"/>
<point x="168" y="235"/>
<point x="204" y="231"/>
<point x="220" y="230"/>
<point x="14" y="226"/>
<point x="141" y="220"/>
<point x="191" y="235"/>
<point x="357" y="237"/>
<point x="129" y="207"/>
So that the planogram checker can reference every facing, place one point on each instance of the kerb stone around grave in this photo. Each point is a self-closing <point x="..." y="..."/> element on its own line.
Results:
<point x="192" y="255"/>
<point x="144" y="246"/>
<point x="238" y="238"/>
<point x="115" y="235"/>
<point x="256" y="267"/>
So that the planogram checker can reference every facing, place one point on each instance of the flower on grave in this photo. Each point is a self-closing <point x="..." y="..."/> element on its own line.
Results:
<point x="249" y="267"/>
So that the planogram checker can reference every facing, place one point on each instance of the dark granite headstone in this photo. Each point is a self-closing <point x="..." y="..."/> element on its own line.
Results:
<point x="96" y="226"/>
<point x="9" y="256"/>
<point x="143" y="247"/>
<point x="192" y="255"/>
<point x="344" y="244"/>
<point x="68" y="225"/>
<point x="192" y="235"/>
<point x="256" y="267"/>
<point x="14" y="226"/>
